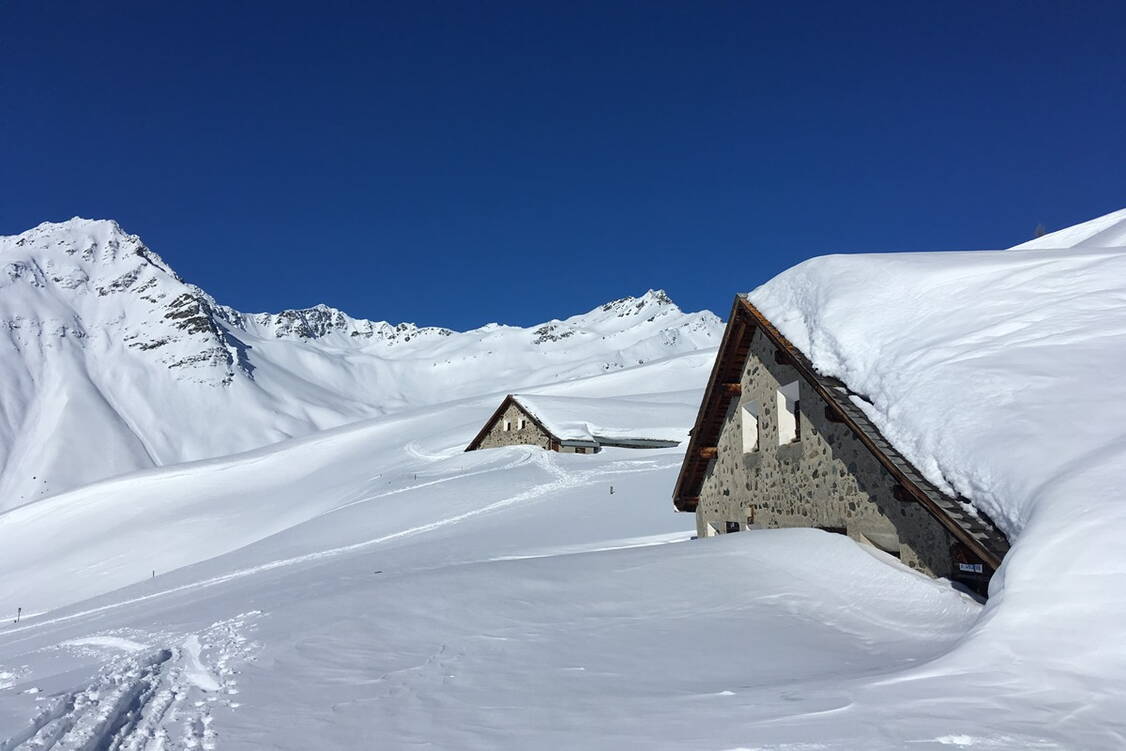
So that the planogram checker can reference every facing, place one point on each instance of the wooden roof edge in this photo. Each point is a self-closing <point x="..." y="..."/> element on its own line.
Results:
<point x="680" y="491"/>
<point x="804" y="366"/>
<point x="489" y="423"/>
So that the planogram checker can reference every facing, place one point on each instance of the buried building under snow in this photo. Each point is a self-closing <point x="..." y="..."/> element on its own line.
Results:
<point x="775" y="444"/>
<point x="583" y="425"/>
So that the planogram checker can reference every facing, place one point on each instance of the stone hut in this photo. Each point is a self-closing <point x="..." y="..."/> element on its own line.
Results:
<point x="582" y="425"/>
<point x="775" y="444"/>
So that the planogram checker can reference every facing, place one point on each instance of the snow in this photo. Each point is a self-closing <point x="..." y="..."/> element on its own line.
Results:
<point x="589" y="419"/>
<point x="110" y="362"/>
<point x="1107" y="231"/>
<point x="477" y="606"/>
<point x="997" y="374"/>
<point x="373" y="585"/>
<point x="111" y="642"/>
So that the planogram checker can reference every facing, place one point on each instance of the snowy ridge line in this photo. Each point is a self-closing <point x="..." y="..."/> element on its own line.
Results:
<point x="82" y="301"/>
<point x="563" y="480"/>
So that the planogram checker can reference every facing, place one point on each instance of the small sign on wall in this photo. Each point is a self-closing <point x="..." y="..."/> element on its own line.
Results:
<point x="971" y="568"/>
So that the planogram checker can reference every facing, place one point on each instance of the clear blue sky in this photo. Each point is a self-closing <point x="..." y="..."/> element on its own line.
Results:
<point x="457" y="163"/>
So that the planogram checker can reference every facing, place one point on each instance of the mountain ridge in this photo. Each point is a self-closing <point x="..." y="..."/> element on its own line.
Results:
<point x="113" y="362"/>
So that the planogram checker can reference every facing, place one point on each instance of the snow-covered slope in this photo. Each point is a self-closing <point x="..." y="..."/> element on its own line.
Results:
<point x="104" y="535"/>
<point x="110" y="362"/>
<point x="374" y="585"/>
<point x="1107" y="231"/>
<point x="999" y="375"/>
<point x="994" y="372"/>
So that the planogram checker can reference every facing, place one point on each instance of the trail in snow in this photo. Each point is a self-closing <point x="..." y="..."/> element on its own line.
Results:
<point x="151" y="698"/>
<point x="544" y="459"/>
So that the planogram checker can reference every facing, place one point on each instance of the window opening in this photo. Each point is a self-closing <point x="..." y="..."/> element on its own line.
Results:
<point x="789" y="418"/>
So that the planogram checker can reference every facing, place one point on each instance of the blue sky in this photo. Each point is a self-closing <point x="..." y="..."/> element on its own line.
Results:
<point x="458" y="163"/>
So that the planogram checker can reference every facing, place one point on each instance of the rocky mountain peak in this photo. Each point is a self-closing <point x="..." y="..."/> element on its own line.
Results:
<point x="653" y="301"/>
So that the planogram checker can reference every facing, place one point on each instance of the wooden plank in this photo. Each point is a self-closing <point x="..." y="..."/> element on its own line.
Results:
<point x="833" y="415"/>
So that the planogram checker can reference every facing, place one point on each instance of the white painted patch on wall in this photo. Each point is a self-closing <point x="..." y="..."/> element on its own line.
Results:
<point x="750" y="427"/>
<point x="788" y="395"/>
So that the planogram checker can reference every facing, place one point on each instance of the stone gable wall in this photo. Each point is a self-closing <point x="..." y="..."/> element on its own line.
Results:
<point x="531" y="435"/>
<point x="827" y="479"/>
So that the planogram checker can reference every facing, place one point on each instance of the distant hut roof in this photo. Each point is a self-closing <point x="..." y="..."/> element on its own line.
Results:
<point x="605" y="421"/>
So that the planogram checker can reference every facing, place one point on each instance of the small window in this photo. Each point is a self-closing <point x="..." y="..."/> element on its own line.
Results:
<point x="732" y="527"/>
<point x="507" y="425"/>
<point x="522" y="424"/>
<point x="789" y="416"/>
<point x="750" y="427"/>
<point x="580" y="449"/>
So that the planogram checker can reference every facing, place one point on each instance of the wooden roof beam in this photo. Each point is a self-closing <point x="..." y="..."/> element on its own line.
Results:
<point x="687" y="504"/>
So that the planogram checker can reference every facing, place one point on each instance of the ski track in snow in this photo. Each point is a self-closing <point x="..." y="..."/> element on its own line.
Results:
<point x="546" y="460"/>
<point x="143" y="688"/>
<point x="152" y="699"/>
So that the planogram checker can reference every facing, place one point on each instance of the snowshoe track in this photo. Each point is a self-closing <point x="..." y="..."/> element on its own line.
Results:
<point x="158" y="699"/>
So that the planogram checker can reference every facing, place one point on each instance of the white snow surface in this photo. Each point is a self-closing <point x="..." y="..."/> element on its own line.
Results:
<point x="999" y="375"/>
<point x="375" y="586"/>
<point x="585" y="419"/>
<point x="1107" y="231"/>
<point x="110" y="362"/>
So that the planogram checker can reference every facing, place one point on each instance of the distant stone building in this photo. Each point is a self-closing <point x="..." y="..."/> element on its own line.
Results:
<point x="581" y="425"/>
<point x="777" y="445"/>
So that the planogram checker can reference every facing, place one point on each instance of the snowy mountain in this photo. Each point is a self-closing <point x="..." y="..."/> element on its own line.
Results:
<point x="375" y="586"/>
<point x="112" y="362"/>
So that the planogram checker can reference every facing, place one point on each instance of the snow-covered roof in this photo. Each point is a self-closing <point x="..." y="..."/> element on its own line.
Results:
<point x="998" y="374"/>
<point x="598" y="420"/>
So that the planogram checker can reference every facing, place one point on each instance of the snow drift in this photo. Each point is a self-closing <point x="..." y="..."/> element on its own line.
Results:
<point x="375" y="584"/>
<point x="998" y="374"/>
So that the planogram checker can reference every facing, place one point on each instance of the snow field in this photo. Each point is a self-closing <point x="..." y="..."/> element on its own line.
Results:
<point x="372" y="585"/>
<point x="111" y="363"/>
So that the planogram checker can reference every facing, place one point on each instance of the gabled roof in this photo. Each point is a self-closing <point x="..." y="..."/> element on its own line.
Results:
<point x="975" y="531"/>
<point x="589" y="421"/>
<point x="508" y="401"/>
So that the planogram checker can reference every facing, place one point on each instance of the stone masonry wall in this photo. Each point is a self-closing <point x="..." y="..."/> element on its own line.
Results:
<point x="827" y="479"/>
<point x="531" y="435"/>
